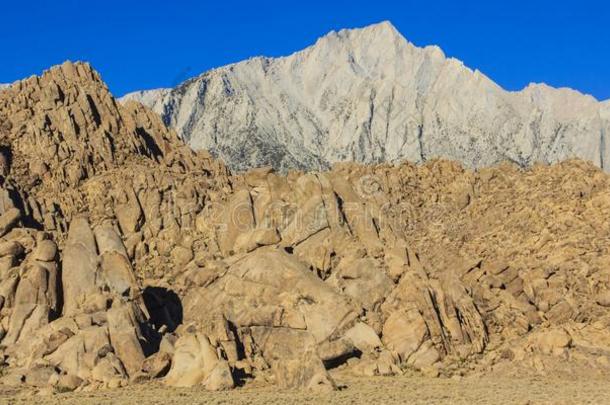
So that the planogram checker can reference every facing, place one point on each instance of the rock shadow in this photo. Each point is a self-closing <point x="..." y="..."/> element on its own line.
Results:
<point x="164" y="307"/>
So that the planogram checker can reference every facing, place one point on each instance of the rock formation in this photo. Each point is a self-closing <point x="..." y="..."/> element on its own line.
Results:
<point x="125" y="256"/>
<point x="370" y="96"/>
<point x="80" y="174"/>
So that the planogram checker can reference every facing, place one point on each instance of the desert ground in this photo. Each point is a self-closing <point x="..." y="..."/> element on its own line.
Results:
<point x="388" y="390"/>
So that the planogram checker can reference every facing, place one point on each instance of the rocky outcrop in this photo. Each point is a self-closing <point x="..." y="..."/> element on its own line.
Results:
<point x="81" y="175"/>
<point x="370" y="96"/>
<point x="323" y="283"/>
<point x="195" y="361"/>
<point x="71" y="328"/>
<point x="154" y="262"/>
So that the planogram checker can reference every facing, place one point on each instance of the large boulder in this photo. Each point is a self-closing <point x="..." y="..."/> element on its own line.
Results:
<point x="284" y="309"/>
<point x="430" y="318"/>
<point x="269" y="287"/>
<point x="80" y="266"/>
<point x="195" y="361"/>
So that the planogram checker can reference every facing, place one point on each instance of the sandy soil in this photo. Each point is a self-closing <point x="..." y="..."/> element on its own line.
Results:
<point x="388" y="390"/>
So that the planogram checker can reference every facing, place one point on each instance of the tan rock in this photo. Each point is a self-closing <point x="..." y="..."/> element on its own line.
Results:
<point x="248" y="241"/>
<point x="157" y="365"/>
<point x="123" y="327"/>
<point x="363" y="337"/>
<point x="425" y="356"/>
<point x="258" y="177"/>
<point x="272" y="281"/>
<point x="603" y="298"/>
<point x="181" y="255"/>
<point x="553" y="341"/>
<point x="293" y="358"/>
<point x="195" y="362"/>
<point x="46" y="251"/>
<point x="364" y="280"/>
<point x="11" y="248"/>
<point x="80" y="263"/>
<point x="8" y="220"/>
<point x="404" y="333"/>
<point x="238" y="218"/>
<point x="67" y="382"/>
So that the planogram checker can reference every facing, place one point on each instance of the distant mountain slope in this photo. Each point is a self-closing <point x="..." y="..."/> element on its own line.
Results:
<point x="368" y="95"/>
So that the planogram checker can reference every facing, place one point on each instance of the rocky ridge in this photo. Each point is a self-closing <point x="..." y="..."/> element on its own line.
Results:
<point x="125" y="256"/>
<point x="370" y="96"/>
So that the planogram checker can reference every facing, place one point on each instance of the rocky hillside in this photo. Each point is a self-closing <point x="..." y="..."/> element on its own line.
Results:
<point x="125" y="256"/>
<point x="88" y="186"/>
<point x="370" y="96"/>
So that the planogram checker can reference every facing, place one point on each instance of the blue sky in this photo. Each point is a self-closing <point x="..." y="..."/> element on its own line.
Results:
<point x="148" y="44"/>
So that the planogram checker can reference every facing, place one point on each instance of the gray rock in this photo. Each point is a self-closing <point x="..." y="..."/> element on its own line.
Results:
<point x="368" y="95"/>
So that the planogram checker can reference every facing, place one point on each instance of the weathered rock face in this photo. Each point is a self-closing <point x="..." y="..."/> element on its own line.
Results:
<point x="97" y="337"/>
<point x="103" y="182"/>
<point x="370" y="96"/>
<point x="156" y="262"/>
<point x="281" y="312"/>
<point x="334" y="277"/>
<point x="196" y="361"/>
<point x="66" y="325"/>
<point x="63" y="133"/>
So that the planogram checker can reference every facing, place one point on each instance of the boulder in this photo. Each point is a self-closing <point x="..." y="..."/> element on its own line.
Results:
<point x="237" y="218"/>
<point x="363" y="337"/>
<point x="404" y="332"/>
<point x="124" y="331"/>
<point x="552" y="341"/>
<point x="248" y="241"/>
<point x="157" y="365"/>
<point x="11" y="248"/>
<point x="269" y="287"/>
<point x="293" y="358"/>
<point x="46" y="251"/>
<point x="80" y="265"/>
<point x="362" y="279"/>
<point x="196" y="362"/>
<point x="8" y="220"/>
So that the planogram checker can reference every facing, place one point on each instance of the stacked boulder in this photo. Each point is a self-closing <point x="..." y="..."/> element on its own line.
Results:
<point x="74" y="311"/>
<point x="306" y="265"/>
<point x="125" y="256"/>
<point x="100" y="337"/>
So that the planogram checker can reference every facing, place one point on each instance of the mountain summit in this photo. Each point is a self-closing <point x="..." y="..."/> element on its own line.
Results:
<point x="128" y="258"/>
<point x="369" y="95"/>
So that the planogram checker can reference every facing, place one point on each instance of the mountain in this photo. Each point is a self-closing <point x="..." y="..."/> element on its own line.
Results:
<point x="369" y="95"/>
<point x="125" y="256"/>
